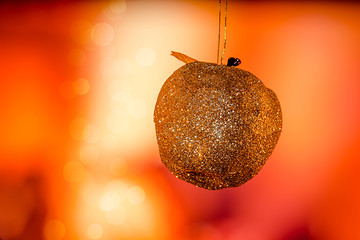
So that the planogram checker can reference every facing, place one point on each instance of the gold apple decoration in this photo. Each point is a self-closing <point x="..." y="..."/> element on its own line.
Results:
<point x="216" y="125"/>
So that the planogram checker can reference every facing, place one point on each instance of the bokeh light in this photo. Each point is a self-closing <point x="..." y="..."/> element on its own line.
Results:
<point x="145" y="57"/>
<point x="117" y="216"/>
<point x="54" y="230"/>
<point x="73" y="172"/>
<point x="102" y="34"/>
<point x="135" y="195"/>
<point x="137" y="108"/>
<point x="89" y="154"/>
<point x="79" y="158"/>
<point x="109" y="142"/>
<point x="95" y="231"/>
<point x="77" y="128"/>
<point x="117" y="7"/>
<point x="108" y="201"/>
<point x="81" y="86"/>
<point x="92" y="193"/>
<point x="118" y="167"/>
<point x="118" y="123"/>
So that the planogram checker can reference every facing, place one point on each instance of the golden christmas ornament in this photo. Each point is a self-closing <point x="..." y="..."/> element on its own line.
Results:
<point x="216" y="125"/>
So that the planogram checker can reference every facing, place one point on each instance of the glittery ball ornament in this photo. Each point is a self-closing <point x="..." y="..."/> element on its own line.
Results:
<point x="215" y="125"/>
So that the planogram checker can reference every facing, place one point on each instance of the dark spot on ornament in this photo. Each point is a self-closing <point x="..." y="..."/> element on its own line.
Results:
<point x="233" y="62"/>
<point x="217" y="130"/>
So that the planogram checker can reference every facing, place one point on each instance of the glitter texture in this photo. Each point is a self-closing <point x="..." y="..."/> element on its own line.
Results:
<point x="216" y="125"/>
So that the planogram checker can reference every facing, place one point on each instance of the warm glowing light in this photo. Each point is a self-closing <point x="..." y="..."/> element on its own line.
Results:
<point x="136" y="195"/>
<point x="124" y="67"/>
<point x="121" y="86"/>
<point x="76" y="57"/>
<point x="81" y="86"/>
<point x="141" y="219"/>
<point x="118" y="167"/>
<point x="67" y="89"/>
<point x="80" y="31"/>
<point x="95" y="231"/>
<point x="89" y="154"/>
<point x="92" y="193"/>
<point x="110" y="67"/>
<point x="109" y="142"/>
<point x="121" y="96"/>
<point x="116" y="217"/>
<point x="73" y="172"/>
<point x="54" y="230"/>
<point x="137" y="108"/>
<point x="78" y="153"/>
<point x="91" y="133"/>
<point x="119" y="102"/>
<point x="145" y="57"/>
<point x="118" y="123"/>
<point x="106" y="203"/>
<point x="117" y="7"/>
<point x="102" y="34"/>
<point x="109" y="201"/>
<point x="107" y="51"/>
<point x="77" y="127"/>
<point x="118" y="187"/>
<point x="80" y="129"/>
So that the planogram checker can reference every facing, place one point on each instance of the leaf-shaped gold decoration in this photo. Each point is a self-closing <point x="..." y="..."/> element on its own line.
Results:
<point x="182" y="57"/>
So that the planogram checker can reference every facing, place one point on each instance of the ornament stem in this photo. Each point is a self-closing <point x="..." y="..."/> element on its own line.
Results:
<point x="222" y="57"/>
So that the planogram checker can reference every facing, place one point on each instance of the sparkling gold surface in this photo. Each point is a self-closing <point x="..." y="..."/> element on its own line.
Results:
<point x="216" y="125"/>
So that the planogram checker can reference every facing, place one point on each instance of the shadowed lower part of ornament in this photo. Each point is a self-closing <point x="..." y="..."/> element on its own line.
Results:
<point x="216" y="125"/>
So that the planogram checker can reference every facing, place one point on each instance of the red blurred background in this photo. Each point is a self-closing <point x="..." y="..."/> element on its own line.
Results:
<point x="78" y="153"/>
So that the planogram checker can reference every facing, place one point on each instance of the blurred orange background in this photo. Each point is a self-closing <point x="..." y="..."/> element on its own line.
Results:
<point x="78" y="153"/>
